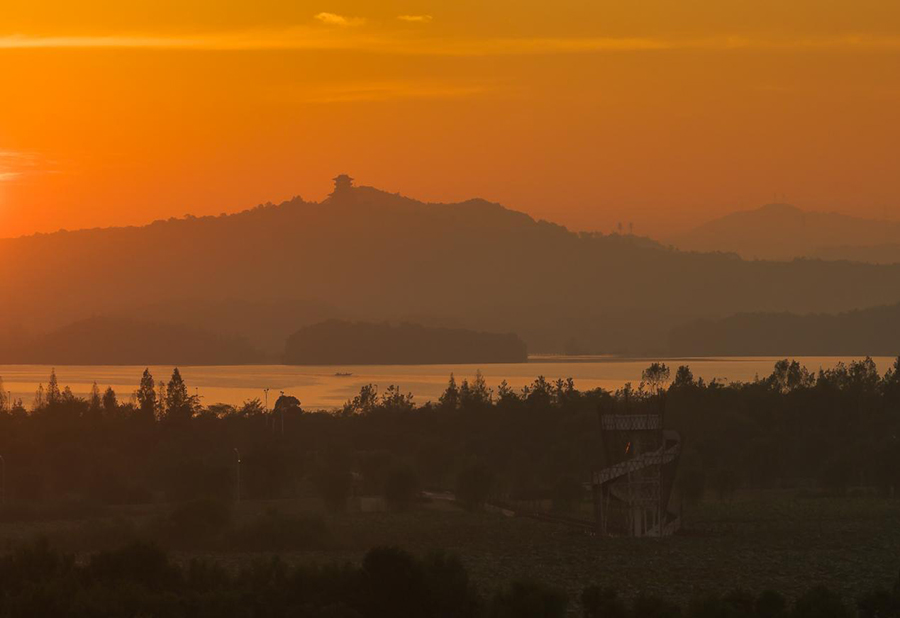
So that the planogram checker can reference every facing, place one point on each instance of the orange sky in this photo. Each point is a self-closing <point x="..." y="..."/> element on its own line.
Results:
<point x="587" y="112"/>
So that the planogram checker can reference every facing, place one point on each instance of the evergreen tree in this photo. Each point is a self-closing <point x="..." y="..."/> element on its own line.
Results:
<point x="96" y="401"/>
<point x="53" y="394"/>
<point x="891" y="383"/>
<point x="68" y="396"/>
<point x="146" y="394"/>
<point x="476" y="394"/>
<point x="161" y="399"/>
<point x="179" y="405"/>
<point x="450" y="398"/>
<point x="39" y="400"/>
<point x="110" y="403"/>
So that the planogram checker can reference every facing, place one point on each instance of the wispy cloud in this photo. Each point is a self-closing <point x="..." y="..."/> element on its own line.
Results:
<point x="14" y="165"/>
<point x="368" y="40"/>
<point x="389" y="91"/>
<point x="416" y="19"/>
<point x="20" y="41"/>
<point x="333" y="19"/>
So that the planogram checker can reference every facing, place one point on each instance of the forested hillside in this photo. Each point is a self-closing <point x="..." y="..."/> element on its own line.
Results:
<point x="368" y="255"/>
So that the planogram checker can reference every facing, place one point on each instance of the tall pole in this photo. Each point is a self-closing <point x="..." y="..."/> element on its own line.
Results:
<point x="237" y="476"/>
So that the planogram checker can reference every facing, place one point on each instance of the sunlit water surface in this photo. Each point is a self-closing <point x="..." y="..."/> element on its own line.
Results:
<point x="322" y="387"/>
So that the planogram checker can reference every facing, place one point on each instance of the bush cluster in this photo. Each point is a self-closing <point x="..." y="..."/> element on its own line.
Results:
<point x="141" y="580"/>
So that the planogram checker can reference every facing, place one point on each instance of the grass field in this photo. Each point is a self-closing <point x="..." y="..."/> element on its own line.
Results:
<point x="756" y="541"/>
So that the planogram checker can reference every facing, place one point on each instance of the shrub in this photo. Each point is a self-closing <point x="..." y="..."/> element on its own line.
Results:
<point x="600" y="602"/>
<point x="528" y="599"/>
<point x="448" y="589"/>
<point x="820" y="602"/>
<point x="393" y="583"/>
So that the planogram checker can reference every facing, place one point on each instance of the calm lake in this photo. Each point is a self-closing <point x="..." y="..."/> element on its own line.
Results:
<point x="321" y="387"/>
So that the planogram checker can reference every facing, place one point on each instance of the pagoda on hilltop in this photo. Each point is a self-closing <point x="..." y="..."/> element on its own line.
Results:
<point x="342" y="184"/>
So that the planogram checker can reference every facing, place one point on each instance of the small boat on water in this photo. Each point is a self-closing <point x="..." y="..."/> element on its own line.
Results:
<point x="342" y="375"/>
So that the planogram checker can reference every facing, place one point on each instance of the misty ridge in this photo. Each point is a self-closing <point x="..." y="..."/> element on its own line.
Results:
<point x="860" y="332"/>
<point x="364" y="254"/>
<point x="785" y="232"/>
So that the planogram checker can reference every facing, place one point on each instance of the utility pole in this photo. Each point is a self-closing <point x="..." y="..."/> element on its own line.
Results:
<point x="237" y="476"/>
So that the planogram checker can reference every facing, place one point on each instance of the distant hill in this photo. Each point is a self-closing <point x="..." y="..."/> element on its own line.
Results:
<point x="855" y="333"/>
<point x="368" y="255"/>
<point x="784" y="232"/>
<point x="337" y="342"/>
<point x="265" y="323"/>
<point x="120" y="341"/>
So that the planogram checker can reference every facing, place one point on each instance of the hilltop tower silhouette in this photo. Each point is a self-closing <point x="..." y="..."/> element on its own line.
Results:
<point x="342" y="184"/>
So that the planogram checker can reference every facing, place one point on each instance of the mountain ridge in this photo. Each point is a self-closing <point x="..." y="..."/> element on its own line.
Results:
<point x="368" y="255"/>
<point x="781" y="231"/>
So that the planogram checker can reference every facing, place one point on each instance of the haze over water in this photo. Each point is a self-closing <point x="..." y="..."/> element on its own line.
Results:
<point x="319" y="387"/>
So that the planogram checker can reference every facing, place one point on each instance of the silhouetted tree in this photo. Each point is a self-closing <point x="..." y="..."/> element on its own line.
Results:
<point x="53" y="393"/>
<point x="39" y="399"/>
<point x="684" y="377"/>
<point x="506" y="396"/>
<point x="449" y="400"/>
<point x="364" y="403"/>
<point x="146" y="395"/>
<point x="95" y="402"/>
<point x="655" y="376"/>
<point x="179" y="405"/>
<point x="539" y="393"/>
<point x="110" y="403"/>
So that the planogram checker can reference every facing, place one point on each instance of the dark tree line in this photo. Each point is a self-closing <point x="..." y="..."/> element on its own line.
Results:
<point x="836" y="430"/>
<point x="141" y="580"/>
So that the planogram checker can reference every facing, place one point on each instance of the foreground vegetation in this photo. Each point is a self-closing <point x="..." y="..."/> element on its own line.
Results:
<point x="789" y="541"/>
<point x="788" y="484"/>
<point x="140" y="579"/>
